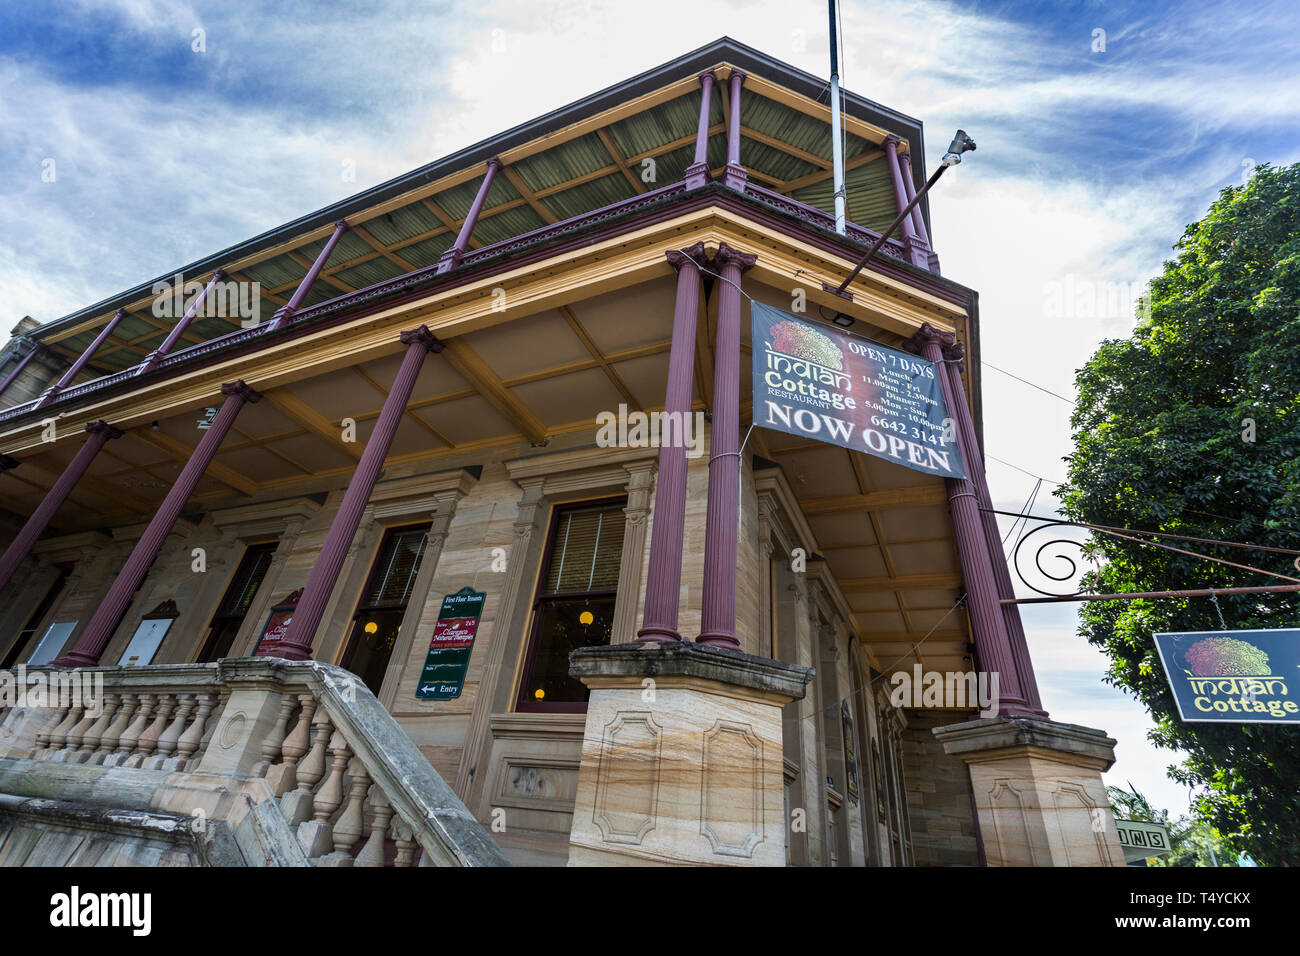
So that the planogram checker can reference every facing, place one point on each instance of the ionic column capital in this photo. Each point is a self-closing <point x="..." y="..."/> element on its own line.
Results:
<point x="423" y="336"/>
<point x="728" y="256"/>
<point x="102" y="427"/>
<point x="241" y="389"/>
<point x="680" y="257"/>
<point x="927" y="337"/>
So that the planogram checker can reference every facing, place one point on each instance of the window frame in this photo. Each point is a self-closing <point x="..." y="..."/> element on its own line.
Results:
<point x="348" y="646"/>
<point x="520" y="703"/>
<point x="270" y="545"/>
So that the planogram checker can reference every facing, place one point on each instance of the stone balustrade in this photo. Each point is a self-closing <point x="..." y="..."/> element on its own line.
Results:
<point x="348" y="783"/>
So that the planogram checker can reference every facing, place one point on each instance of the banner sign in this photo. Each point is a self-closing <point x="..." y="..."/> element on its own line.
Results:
<point x="1239" y="677"/>
<point x="452" y="643"/>
<point x="1141" y="839"/>
<point x="820" y="383"/>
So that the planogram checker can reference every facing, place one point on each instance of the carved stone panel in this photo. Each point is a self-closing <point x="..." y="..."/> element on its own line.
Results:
<point x="732" y="768"/>
<point x="627" y="788"/>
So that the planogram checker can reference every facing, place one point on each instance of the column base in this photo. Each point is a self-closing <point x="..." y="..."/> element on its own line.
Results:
<point x="735" y="177"/>
<point x="718" y="639"/>
<point x="448" y="261"/>
<point x="1038" y="792"/>
<point x="681" y="756"/>
<point x="287" y="652"/>
<point x="660" y="635"/>
<point x="918" y="252"/>
<point x="75" y="659"/>
<point x="697" y="174"/>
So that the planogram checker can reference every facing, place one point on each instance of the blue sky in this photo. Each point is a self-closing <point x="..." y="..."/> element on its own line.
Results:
<point x="1091" y="161"/>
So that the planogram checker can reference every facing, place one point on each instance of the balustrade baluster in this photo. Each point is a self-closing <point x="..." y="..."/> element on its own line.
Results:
<point x="350" y="824"/>
<point x="284" y="776"/>
<point x="90" y="740"/>
<point x="148" y="741"/>
<point x="131" y="736"/>
<point x="330" y="794"/>
<point x="404" y="837"/>
<point x="275" y="737"/>
<point x="195" y="733"/>
<point x="108" y="743"/>
<point x="43" y="737"/>
<point x="59" y="736"/>
<point x="372" y="854"/>
<point x="171" y="736"/>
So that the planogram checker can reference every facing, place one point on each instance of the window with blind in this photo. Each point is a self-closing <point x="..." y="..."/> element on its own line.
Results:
<point x="575" y="603"/>
<point x="383" y="604"/>
<point x="236" y="601"/>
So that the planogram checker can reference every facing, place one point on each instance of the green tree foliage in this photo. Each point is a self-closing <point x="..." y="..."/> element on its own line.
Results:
<point x="1162" y="435"/>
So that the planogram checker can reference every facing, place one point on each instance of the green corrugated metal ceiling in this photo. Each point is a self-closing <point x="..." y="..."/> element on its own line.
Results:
<point x="420" y="237"/>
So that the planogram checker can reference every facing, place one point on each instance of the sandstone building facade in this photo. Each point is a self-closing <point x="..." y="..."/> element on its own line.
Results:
<point x="395" y="402"/>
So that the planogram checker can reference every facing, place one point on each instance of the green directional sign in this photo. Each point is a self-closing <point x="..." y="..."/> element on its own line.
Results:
<point x="452" y="644"/>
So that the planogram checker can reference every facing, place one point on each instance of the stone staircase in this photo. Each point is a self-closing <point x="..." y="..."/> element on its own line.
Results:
<point x="243" y="762"/>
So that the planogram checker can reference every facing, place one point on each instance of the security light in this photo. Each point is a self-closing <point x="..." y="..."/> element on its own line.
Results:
<point x="842" y="319"/>
<point x="960" y="143"/>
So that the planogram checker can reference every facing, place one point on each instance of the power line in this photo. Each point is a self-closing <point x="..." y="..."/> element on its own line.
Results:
<point x="1027" y="382"/>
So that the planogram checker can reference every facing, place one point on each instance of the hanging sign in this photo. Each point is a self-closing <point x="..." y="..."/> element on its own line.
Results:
<point x="1141" y="839"/>
<point x="817" y="382"/>
<point x="452" y="643"/>
<point x="1238" y="677"/>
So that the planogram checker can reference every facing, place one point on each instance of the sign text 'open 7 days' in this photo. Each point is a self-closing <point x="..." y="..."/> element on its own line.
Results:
<point x="451" y="645"/>
<point x="1239" y="677"/>
<point x="817" y="382"/>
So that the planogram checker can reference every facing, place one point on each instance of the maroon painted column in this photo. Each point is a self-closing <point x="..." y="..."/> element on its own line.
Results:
<point x="664" y="576"/>
<point x="297" y="641"/>
<point x="697" y="173"/>
<point x="451" y="258"/>
<point x="151" y="361"/>
<point x="52" y="392"/>
<point x="734" y="175"/>
<point x="100" y="432"/>
<point x="918" y="253"/>
<point x="722" y="524"/>
<point x="918" y="221"/>
<point x="109" y="613"/>
<point x="960" y="411"/>
<point x="285" y="314"/>
<point x="889" y="145"/>
<point x="982" y="599"/>
<point x="22" y="364"/>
